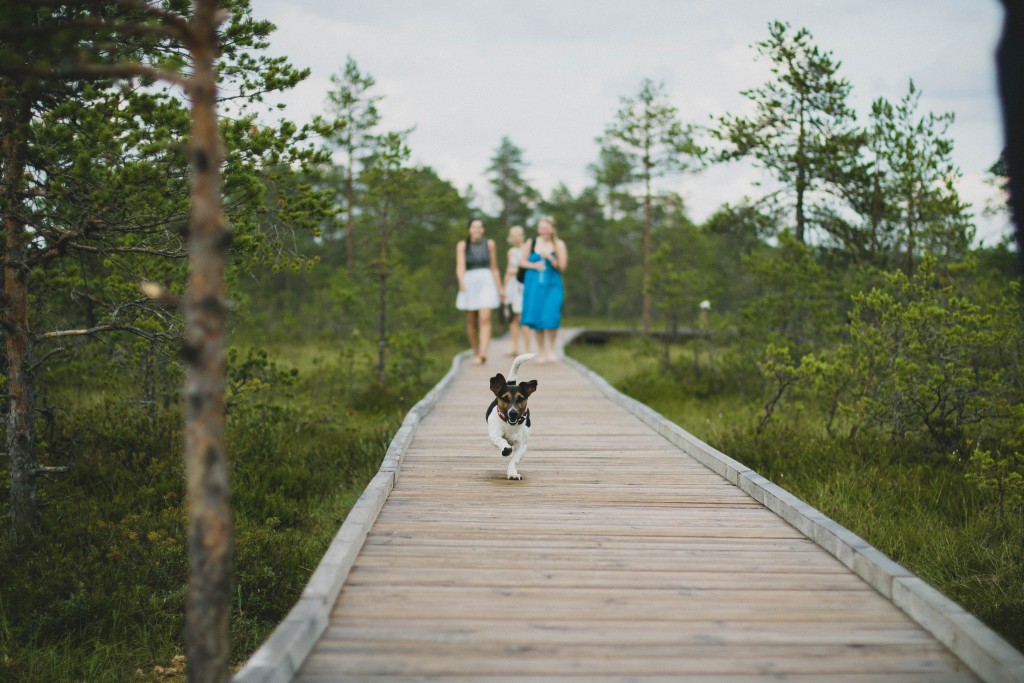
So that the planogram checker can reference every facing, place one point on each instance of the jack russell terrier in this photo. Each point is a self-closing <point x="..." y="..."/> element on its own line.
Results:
<point x="508" y="418"/>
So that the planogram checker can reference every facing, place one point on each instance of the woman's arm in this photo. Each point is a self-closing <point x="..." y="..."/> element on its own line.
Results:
<point x="561" y="256"/>
<point x="558" y="258"/>
<point x="460" y="264"/>
<point x="525" y="262"/>
<point x="510" y="268"/>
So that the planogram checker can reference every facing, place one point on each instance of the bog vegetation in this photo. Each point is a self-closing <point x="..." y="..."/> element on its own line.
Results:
<point x="853" y="342"/>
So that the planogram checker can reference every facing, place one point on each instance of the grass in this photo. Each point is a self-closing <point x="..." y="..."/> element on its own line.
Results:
<point x="99" y="595"/>
<point x="920" y="511"/>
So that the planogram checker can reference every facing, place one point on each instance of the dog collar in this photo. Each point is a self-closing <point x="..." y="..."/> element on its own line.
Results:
<point x="519" y="421"/>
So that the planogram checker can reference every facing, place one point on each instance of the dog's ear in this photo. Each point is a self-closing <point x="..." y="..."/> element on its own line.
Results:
<point x="528" y="387"/>
<point x="497" y="383"/>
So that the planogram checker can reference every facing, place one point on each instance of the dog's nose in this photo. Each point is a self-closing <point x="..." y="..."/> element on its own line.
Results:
<point x="513" y="414"/>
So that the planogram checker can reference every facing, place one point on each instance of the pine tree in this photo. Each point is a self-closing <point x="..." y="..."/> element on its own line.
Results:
<point x="648" y="137"/>
<point x="516" y="195"/>
<point x="388" y="180"/>
<point x="613" y="172"/>
<point x="916" y="206"/>
<point x="355" y="116"/>
<point x="95" y="193"/>
<point x="802" y="130"/>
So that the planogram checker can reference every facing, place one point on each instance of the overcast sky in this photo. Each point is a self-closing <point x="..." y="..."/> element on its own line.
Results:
<point x="550" y="74"/>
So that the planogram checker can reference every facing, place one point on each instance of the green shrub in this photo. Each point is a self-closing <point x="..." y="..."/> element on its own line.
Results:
<point x="923" y="362"/>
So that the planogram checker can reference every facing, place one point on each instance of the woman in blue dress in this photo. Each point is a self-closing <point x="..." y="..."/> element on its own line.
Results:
<point x="543" y="289"/>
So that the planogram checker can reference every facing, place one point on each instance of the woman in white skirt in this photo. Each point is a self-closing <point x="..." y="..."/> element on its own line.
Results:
<point x="514" y="291"/>
<point x="476" y="266"/>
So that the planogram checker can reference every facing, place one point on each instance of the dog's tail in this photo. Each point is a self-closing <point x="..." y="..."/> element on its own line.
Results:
<point x="514" y="371"/>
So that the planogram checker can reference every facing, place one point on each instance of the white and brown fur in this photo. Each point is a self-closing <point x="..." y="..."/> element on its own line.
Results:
<point x="508" y="417"/>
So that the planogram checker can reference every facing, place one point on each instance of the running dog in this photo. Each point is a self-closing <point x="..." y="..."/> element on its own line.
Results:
<point x="508" y="418"/>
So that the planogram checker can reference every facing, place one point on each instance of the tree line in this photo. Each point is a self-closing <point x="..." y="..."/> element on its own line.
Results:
<point x="144" y="198"/>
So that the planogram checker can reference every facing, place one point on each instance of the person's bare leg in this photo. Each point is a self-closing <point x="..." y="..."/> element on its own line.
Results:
<point x="513" y="329"/>
<point x="485" y="333"/>
<point x="472" y="333"/>
<point x="541" y="356"/>
<point x="550" y="338"/>
<point x="524" y="335"/>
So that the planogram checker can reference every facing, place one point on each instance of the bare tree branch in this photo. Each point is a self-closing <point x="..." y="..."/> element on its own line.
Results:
<point x="89" y="331"/>
<point x="123" y="70"/>
<point x="160" y="294"/>
<point x="42" y="361"/>
<point x="128" y="250"/>
<point x="90" y="71"/>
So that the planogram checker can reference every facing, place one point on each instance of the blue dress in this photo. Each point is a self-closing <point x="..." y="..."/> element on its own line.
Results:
<point x="542" y="297"/>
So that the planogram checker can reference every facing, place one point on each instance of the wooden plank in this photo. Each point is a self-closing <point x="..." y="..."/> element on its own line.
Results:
<point x="918" y="677"/>
<point x="684" y="580"/>
<point x="526" y="560"/>
<point x="598" y="634"/>
<point x="439" y="659"/>
<point x="507" y="601"/>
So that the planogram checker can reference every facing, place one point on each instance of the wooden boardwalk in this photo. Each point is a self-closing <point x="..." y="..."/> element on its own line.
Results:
<point x="618" y="557"/>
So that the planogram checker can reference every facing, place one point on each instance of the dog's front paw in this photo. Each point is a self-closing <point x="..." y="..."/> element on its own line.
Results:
<point x="515" y="475"/>
<point x="507" y="451"/>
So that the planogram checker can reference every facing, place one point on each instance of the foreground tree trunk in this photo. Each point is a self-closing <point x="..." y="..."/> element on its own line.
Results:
<point x="1010" y="63"/>
<point x="22" y="456"/>
<point x="208" y="600"/>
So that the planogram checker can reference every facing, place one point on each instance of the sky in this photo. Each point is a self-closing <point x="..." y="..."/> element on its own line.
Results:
<point x="550" y="75"/>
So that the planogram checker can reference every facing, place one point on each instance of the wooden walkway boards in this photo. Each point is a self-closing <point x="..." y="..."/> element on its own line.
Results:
<point x="618" y="557"/>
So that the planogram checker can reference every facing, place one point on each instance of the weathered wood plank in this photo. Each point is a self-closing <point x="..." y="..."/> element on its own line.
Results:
<point x="918" y="677"/>
<point x="529" y="577"/>
<point x="599" y="634"/>
<point x="440" y="659"/>
<point x="505" y="600"/>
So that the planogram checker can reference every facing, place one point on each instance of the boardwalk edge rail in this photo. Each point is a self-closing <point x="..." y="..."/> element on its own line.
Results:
<point x="279" y="658"/>
<point x="984" y="651"/>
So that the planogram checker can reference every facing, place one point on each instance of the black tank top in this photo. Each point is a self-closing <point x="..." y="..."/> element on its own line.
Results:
<point x="477" y="255"/>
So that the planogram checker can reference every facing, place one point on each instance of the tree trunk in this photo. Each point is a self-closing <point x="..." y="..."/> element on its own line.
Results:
<point x="800" y="205"/>
<point x="208" y="600"/>
<point x="21" y="433"/>
<point x="350" y="245"/>
<point x="874" y="248"/>
<point x="647" y="255"/>
<point x="382" y="338"/>
<point x="911" y="237"/>
<point x="149" y="382"/>
<point x="1010" y="63"/>
<point x="382" y="321"/>
<point x="801" y="175"/>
